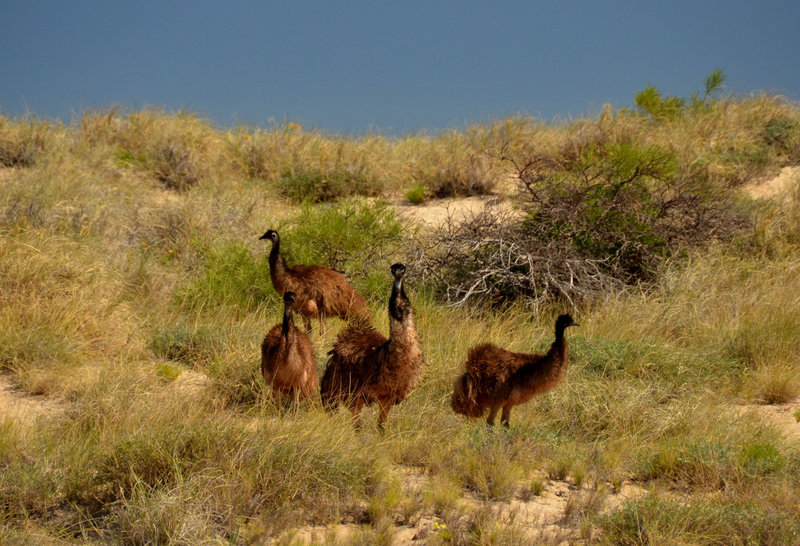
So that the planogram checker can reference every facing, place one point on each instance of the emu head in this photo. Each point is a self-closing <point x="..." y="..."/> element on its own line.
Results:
<point x="564" y="321"/>
<point x="398" y="270"/>
<point x="289" y="297"/>
<point x="272" y="235"/>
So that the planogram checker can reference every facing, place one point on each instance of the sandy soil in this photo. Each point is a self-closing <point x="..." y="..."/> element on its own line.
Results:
<point x="788" y="179"/>
<point x="23" y="408"/>
<point x="542" y="518"/>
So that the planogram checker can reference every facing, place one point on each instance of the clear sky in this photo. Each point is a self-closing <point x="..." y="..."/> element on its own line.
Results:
<point x="392" y="67"/>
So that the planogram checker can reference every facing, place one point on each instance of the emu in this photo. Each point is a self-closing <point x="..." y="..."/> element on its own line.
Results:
<point x="366" y="368"/>
<point x="496" y="378"/>
<point x="287" y="358"/>
<point x="320" y="291"/>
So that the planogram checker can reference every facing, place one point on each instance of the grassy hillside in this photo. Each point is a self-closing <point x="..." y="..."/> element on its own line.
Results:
<point x="135" y="292"/>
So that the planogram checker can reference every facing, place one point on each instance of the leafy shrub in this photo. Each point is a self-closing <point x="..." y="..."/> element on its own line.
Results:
<point x="657" y="521"/>
<point x="416" y="195"/>
<point x="230" y="275"/>
<point x="598" y="215"/>
<point x="358" y="238"/>
<point x="457" y="169"/>
<point x="317" y="185"/>
<point x="177" y="150"/>
<point x="649" y="100"/>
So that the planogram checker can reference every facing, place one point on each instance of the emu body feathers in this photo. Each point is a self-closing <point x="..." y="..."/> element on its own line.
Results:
<point x="320" y="291"/>
<point x="367" y="368"/>
<point x="496" y="378"/>
<point x="287" y="358"/>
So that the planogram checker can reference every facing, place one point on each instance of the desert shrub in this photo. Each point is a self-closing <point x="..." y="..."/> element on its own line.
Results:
<point x="782" y="134"/>
<point x="470" y="176"/>
<point x="359" y="238"/>
<point x="178" y="149"/>
<point x="649" y="101"/>
<point x="657" y="521"/>
<point x="598" y="215"/>
<point x="229" y="274"/>
<point x="316" y="185"/>
<point x="22" y="142"/>
<point x="416" y="195"/>
<point x="455" y="165"/>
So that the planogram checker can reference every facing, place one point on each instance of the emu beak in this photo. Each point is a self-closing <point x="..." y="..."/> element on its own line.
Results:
<point x="263" y="237"/>
<point x="574" y="323"/>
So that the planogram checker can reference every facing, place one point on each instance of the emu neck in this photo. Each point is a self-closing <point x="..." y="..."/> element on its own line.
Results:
<point x="402" y="331"/>
<point x="277" y="265"/>
<point x="288" y="323"/>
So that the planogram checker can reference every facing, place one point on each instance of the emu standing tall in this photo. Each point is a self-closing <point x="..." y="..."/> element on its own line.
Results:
<point x="497" y="378"/>
<point x="320" y="291"/>
<point x="366" y="368"/>
<point x="287" y="358"/>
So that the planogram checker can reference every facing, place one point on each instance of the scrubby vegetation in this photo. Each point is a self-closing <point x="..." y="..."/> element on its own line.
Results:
<point x="134" y="294"/>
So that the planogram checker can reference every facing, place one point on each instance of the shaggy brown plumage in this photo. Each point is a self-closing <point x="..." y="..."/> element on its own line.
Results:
<point x="287" y="359"/>
<point x="367" y="368"/>
<point x="497" y="378"/>
<point x="320" y="291"/>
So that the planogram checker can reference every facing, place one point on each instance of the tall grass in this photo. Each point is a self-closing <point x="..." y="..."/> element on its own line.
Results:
<point x="134" y="290"/>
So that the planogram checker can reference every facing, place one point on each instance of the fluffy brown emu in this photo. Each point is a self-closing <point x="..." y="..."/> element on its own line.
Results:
<point x="287" y="358"/>
<point x="366" y="368"/>
<point x="497" y="378"/>
<point x="320" y="291"/>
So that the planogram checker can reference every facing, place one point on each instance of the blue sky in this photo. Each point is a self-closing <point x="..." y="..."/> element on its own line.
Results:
<point x="391" y="67"/>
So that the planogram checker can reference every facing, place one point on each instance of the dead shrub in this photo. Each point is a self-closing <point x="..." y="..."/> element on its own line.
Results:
<point x="596" y="215"/>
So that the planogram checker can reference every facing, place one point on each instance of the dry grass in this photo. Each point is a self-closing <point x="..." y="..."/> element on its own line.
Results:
<point x="133" y="289"/>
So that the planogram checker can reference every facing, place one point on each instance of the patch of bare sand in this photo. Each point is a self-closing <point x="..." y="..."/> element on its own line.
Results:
<point x="437" y="212"/>
<point x="782" y="416"/>
<point x="24" y="408"/>
<point x="540" y="519"/>
<point x="787" y="179"/>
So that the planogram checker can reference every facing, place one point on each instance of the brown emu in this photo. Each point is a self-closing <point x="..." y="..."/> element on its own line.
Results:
<point x="320" y="291"/>
<point x="287" y="358"/>
<point x="366" y="368"/>
<point x="497" y="378"/>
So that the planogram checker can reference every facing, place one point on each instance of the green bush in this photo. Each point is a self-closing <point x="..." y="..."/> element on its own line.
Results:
<point x="358" y="238"/>
<point x="317" y="185"/>
<point x="761" y="459"/>
<point x="658" y="521"/>
<point x="416" y="195"/>
<point x="231" y="275"/>
<point x="599" y="214"/>
<point x="650" y="101"/>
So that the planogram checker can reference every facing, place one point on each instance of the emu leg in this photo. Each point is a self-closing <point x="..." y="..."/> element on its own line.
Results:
<point x="506" y="415"/>
<point x="277" y="396"/>
<point x="308" y="324"/>
<point x="356" y="407"/>
<point x="296" y="398"/>
<point x="323" y="329"/>
<point x="384" y="406"/>
<point x="493" y="414"/>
